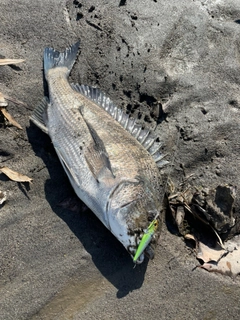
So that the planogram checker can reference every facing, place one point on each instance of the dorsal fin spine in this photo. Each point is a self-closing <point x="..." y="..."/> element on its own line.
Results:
<point x="126" y="123"/>
<point x="119" y="115"/>
<point x="131" y="124"/>
<point x="143" y="137"/>
<point x="157" y="156"/>
<point x="148" y="143"/>
<point x="155" y="148"/>
<point x="138" y="129"/>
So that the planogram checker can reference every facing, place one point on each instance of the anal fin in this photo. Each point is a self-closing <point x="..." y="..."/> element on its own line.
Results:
<point x="39" y="115"/>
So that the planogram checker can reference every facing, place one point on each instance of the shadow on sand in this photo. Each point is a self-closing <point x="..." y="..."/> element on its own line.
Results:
<point x="107" y="253"/>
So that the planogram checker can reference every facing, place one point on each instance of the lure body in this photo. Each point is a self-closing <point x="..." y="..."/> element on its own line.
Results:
<point x="146" y="239"/>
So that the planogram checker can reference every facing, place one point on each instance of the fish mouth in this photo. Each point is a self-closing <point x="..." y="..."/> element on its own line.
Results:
<point x="148" y="252"/>
<point x="140" y="259"/>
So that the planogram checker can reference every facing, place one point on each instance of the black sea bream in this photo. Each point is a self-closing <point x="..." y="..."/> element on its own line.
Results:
<point x="111" y="162"/>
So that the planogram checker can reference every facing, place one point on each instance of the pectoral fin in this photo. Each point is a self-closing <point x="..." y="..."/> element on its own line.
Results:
<point x="97" y="157"/>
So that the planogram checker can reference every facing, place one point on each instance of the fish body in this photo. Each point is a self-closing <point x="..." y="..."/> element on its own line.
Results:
<point x="103" y="152"/>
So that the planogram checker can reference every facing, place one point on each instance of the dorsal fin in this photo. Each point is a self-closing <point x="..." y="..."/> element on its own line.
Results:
<point x="145" y="136"/>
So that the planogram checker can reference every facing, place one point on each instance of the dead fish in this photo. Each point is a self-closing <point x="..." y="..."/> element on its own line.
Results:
<point x="110" y="160"/>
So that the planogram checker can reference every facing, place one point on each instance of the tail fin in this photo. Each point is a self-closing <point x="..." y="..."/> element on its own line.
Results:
<point x="54" y="58"/>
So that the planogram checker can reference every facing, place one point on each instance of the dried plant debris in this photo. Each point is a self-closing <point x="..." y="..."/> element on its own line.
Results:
<point x="3" y="101"/>
<point x="206" y="218"/>
<point x="16" y="101"/>
<point x="15" y="176"/>
<point x="215" y="206"/>
<point x="4" y="98"/>
<point x="215" y="258"/>
<point x="3" y="197"/>
<point x="229" y="262"/>
<point x="4" y="62"/>
<point x="10" y="118"/>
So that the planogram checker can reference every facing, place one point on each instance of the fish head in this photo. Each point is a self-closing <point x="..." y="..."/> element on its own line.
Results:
<point x="134" y="218"/>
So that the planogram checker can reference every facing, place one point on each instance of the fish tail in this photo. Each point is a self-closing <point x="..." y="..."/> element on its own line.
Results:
<point x="54" y="58"/>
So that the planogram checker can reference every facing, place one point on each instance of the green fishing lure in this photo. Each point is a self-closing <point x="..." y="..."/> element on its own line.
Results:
<point x="147" y="237"/>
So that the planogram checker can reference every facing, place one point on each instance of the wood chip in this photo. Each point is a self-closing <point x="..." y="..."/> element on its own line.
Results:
<point x="10" y="118"/>
<point x="4" y="62"/>
<point x="15" y="176"/>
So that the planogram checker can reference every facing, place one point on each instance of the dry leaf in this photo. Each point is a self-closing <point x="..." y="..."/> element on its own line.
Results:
<point x="207" y="253"/>
<point x="216" y="259"/>
<point x="3" y="102"/>
<point x="229" y="263"/>
<point x="4" y="62"/>
<point x="10" y="118"/>
<point x="15" y="176"/>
